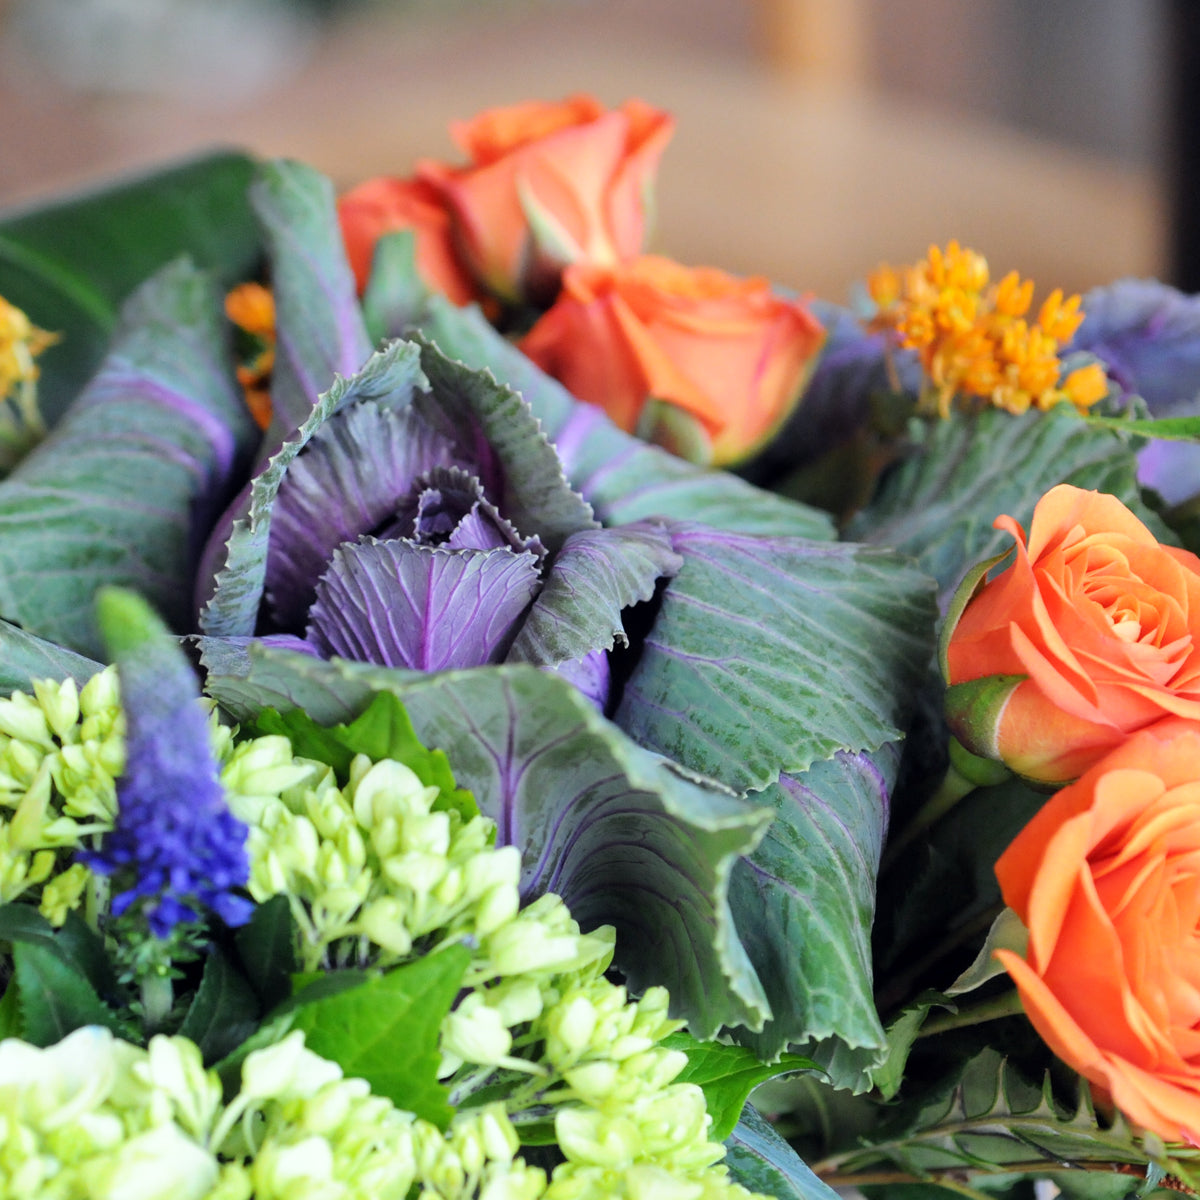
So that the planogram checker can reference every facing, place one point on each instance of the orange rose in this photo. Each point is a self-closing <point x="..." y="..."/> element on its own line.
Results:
<point x="549" y="184"/>
<point x="1091" y="634"/>
<point x="1107" y="879"/>
<point x="384" y="205"/>
<point x="713" y="362"/>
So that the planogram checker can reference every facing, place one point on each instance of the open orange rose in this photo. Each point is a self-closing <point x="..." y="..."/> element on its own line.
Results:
<point x="385" y="205"/>
<point x="549" y="184"/>
<point x="1107" y="879"/>
<point x="1090" y="635"/>
<point x="703" y="362"/>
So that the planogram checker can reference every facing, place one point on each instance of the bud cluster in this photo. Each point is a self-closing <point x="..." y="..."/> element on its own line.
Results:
<point x="61" y="749"/>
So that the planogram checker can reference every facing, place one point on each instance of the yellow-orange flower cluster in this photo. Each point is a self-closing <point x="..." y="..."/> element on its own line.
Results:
<point x="974" y="338"/>
<point x="20" y="343"/>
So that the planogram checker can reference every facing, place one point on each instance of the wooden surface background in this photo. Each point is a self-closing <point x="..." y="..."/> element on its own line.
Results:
<point x="779" y="165"/>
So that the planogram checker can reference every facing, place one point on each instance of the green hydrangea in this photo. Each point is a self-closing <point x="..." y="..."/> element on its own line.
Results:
<point x="377" y="871"/>
<point x="94" y="1117"/>
<point x="61" y="749"/>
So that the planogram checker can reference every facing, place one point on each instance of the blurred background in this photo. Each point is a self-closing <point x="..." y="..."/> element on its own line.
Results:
<point x="814" y="138"/>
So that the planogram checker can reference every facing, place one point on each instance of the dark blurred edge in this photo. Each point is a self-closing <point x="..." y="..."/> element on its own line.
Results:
<point x="1183" y="143"/>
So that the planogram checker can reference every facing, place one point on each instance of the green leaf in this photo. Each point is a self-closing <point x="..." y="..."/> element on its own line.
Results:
<point x="54" y="996"/>
<point x="1006" y="933"/>
<point x="990" y="1116"/>
<point x="266" y="947"/>
<point x="804" y="903"/>
<point x="1167" y="429"/>
<point x="224" y="1011"/>
<point x="24" y="658"/>
<point x="395" y="292"/>
<point x="320" y="332"/>
<point x="621" y="834"/>
<point x="382" y="731"/>
<point x="967" y="470"/>
<point x="10" y="1013"/>
<point x="122" y="488"/>
<point x="760" y="1160"/>
<point x="71" y="264"/>
<point x="727" y="1075"/>
<point x="385" y="1030"/>
<point x="772" y="654"/>
<point x="901" y="1034"/>
<point x="598" y="574"/>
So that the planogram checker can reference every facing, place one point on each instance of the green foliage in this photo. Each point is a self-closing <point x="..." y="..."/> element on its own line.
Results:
<point x="728" y="1074"/>
<point x="71" y="264"/>
<point x="382" y="730"/>
<point x="224" y="1010"/>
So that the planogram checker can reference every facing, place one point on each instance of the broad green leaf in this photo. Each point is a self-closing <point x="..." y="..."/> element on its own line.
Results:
<point x="967" y="470"/>
<point x="320" y="332"/>
<point x="71" y="264"/>
<point x="727" y="1075"/>
<point x="54" y="996"/>
<point x="224" y="1011"/>
<point x="596" y="576"/>
<point x="1169" y="429"/>
<point x="127" y="483"/>
<point x="266" y="947"/>
<point x="623" y="478"/>
<point x="760" y="1160"/>
<point x="75" y="944"/>
<point x="771" y="654"/>
<point x="804" y="902"/>
<point x="24" y="658"/>
<point x="385" y="1030"/>
<point x="235" y="574"/>
<point x="382" y="731"/>
<point x="620" y="833"/>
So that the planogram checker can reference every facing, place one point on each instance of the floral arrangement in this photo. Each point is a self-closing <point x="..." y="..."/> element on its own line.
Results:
<point x="494" y="712"/>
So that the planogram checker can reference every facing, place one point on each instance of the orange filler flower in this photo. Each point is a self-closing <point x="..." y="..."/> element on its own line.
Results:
<point x="975" y="339"/>
<point x="251" y="307"/>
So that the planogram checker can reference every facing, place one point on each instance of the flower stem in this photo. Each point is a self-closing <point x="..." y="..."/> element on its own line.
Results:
<point x="1007" y="1004"/>
<point x="158" y="995"/>
<point x="965" y="772"/>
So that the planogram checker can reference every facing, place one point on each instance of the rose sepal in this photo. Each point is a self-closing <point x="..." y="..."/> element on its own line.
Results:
<point x="975" y="708"/>
<point x="972" y="582"/>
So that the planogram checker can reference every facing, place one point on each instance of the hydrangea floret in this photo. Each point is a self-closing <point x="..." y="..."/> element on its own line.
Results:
<point x="975" y="339"/>
<point x="61" y="749"/>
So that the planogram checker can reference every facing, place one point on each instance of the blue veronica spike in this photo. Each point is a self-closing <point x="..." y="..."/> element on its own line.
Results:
<point x="174" y="836"/>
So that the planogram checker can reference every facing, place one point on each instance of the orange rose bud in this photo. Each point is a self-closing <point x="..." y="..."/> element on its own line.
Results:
<point x="1094" y="630"/>
<point x="1107" y="879"/>
<point x="380" y="206"/>
<point x="549" y="184"/>
<point x="728" y="355"/>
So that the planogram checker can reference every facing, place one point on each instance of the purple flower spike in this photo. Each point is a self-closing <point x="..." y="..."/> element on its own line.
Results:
<point x="176" y="845"/>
